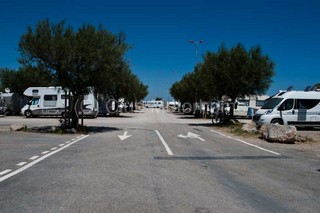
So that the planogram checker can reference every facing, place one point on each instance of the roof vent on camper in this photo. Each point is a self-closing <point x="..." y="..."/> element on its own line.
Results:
<point x="290" y="88"/>
<point x="7" y="90"/>
<point x="308" y="88"/>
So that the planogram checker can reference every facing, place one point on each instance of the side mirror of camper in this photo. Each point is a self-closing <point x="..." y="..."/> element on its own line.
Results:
<point x="281" y="108"/>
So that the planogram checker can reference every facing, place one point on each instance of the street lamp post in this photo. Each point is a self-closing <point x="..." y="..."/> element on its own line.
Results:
<point x="196" y="43"/>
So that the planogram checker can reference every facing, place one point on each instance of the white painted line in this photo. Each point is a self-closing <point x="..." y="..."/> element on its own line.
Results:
<point x="45" y="152"/>
<point x="38" y="160"/>
<point x="249" y="144"/>
<point x="5" y="172"/>
<point x="54" y="148"/>
<point x="164" y="143"/>
<point x="61" y="144"/>
<point x="68" y="141"/>
<point x="21" y="163"/>
<point x="33" y="158"/>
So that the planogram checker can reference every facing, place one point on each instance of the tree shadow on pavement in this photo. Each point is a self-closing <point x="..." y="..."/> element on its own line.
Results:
<point x="101" y="129"/>
<point x="209" y="124"/>
<point x="58" y="130"/>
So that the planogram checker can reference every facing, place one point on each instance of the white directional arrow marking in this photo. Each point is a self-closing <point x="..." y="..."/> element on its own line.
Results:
<point x="191" y="135"/>
<point x="124" y="136"/>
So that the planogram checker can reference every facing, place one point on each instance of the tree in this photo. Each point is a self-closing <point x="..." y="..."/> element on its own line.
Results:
<point x="186" y="89"/>
<point x="237" y="72"/>
<point x="78" y="60"/>
<point x="233" y="72"/>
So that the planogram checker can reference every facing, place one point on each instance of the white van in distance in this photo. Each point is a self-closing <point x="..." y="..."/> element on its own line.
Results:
<point x="154" y="104"/>
<point x="51" y="101"/>
<point x="297" y="108"/>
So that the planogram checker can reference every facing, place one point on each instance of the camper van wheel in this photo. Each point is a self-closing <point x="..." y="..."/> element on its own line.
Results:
<point x="28" y="114"/>
<point x="277" y="121"/>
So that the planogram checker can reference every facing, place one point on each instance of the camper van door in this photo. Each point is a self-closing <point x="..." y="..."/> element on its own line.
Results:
<point x="288" y="112"/>
<point x="35" y="105"/>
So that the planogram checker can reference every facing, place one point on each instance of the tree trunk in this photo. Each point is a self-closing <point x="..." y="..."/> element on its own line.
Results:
<point x="76" y="108"/>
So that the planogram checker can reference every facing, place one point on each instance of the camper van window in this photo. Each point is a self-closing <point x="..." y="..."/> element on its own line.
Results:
<point x="34" y="101"/>
<point x="259" y="103"/>
<point x="243" y="102"/>
<point x="306" y="103"/>
<point x="35" y="92"/>
<point x="271" y="103"/>
<point x="50" y="100"/>
<point x="50" y="97"/>
<point x="64" y="97"/>
<point x="286" y="105"/>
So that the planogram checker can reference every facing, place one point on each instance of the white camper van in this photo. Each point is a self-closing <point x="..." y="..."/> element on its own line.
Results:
<point x="298" y="108"/>
<point x="154" y="104"/>
<point x="51" y="101"/>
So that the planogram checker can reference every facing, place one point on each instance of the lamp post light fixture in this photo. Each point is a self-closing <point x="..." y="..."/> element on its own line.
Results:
<point x="196" y="43"/>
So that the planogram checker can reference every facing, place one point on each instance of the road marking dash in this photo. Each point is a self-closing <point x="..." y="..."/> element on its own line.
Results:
<point x="54" y="148"/>
<point x="5" y="172"/>
<point x="21" y="163"/>
<point x="164" y="143"/>
<point x="45" y="152"/>
<point x="33" y="158"/>
<point x="61" y="144"/>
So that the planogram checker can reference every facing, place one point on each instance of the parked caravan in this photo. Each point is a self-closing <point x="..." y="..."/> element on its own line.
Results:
<point x="52" y="101"/>
<point x="247" y="106"/>
<point x="298" y="108"/>
<point x="12" y="103"/>
<point x="154" y="104"/>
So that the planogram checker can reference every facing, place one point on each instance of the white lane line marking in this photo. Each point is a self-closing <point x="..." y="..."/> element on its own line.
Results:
<point x="38" y="160"/>
<point x="249" y="144"/>
<point x="68" y="141"/>
<point x="5" y="172"/>
<point x="33" y="158"/>
<point x="61" y="144"/>
<point x="54" y="148"/>
<point x="45" y="152"/>
<point x="21" y="163"/>
<point x="164" y="143"/>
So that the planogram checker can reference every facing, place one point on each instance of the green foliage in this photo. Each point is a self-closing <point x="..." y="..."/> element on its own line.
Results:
<point x="234" y="72"/>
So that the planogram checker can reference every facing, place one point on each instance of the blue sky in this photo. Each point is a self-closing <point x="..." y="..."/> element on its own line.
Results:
<point x="158" y="31"/>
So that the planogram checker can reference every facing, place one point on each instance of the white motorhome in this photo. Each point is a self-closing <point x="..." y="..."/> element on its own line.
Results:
<point x="52" y="101"/>
<point x="154" y="104"/>
<point x="298" y="108"/>
<point x="243" y="107"/>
